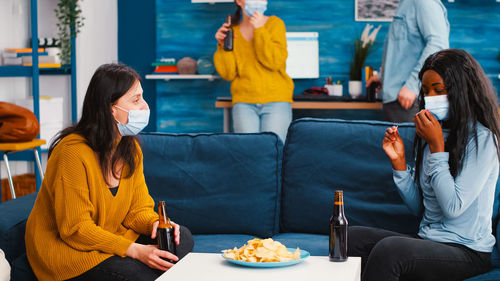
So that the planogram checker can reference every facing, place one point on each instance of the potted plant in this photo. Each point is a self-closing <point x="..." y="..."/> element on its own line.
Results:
<point x="69" y="23"/>
<point x="362" y="48"/>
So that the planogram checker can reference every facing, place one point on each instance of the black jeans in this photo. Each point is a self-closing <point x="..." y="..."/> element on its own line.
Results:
<point x="117" y="268"/>
<point x="391" y="256"/>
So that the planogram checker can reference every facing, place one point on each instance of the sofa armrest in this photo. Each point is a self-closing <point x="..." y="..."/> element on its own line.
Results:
<point x="14" y="214"/>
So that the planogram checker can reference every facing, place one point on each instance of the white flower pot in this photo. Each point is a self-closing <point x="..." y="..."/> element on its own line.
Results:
<point x="355" y="89"/>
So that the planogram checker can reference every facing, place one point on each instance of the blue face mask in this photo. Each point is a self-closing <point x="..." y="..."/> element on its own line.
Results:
<point x="137" y="120"/>
<point x="252" y="6"/>
<point x="438" y="105"/>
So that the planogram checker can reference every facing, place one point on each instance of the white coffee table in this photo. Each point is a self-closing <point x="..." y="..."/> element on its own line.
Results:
<point x="202" y="266"/>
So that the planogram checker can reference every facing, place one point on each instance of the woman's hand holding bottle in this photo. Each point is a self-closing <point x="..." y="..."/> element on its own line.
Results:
<point x="177" y="231"/>
<point x="221" y="33"/>
<point x="394" y="148"/>
<point x="151" y="256"/>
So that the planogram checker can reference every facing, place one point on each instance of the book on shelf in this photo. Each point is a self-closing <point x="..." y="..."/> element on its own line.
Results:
<point x="45" y="65"/>
<point x="159" y="63"/>
<point x="12" y="61"/>
<point x="41" y="59"/>
<point x="23" y="50"/>
<point x="166" y="69"/>
<point x="164" y="61"/>
<point x="17" y="55"/>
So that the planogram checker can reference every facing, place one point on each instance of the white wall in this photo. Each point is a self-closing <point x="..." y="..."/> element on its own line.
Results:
<point x="14" y="26"/>
<point x="95" y="45"/>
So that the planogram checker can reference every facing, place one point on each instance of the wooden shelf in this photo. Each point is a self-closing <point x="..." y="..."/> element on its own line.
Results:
<point x="167" y="77"/>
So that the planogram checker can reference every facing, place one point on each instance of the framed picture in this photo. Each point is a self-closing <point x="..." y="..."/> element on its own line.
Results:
<point x="375" y="10"/>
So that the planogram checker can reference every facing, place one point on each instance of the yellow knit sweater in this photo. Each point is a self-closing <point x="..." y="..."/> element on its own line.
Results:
<point x="76" y="222"/>
<point x="257" y="69"/>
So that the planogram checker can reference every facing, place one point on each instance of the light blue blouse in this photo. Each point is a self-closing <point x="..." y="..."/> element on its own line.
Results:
<point x="456" y="210"/>
<point x="419" y="29"/>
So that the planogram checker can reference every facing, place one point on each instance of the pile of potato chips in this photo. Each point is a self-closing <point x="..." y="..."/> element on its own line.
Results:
<point x="258" y="250"/>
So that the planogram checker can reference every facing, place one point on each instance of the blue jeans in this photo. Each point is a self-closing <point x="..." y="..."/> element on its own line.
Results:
<point x="262" y="117"/>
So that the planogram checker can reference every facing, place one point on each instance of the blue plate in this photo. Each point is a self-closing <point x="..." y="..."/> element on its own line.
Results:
<point x="303" y="255"/>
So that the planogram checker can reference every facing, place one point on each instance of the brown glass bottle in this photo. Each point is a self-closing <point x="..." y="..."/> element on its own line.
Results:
<point x="165" y="232"/>
<point x="338" y="230"/>
<point x="228" y="41"/>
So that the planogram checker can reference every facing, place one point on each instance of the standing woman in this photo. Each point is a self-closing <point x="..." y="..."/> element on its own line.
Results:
<point x="453" y="187"/>
<point x="94" y="202"/>
<point x="261" y="90"/>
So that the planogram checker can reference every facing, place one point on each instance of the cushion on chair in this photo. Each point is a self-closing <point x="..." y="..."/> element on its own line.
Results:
<point x="216" y="183"/>
<point x="322" y="155"/>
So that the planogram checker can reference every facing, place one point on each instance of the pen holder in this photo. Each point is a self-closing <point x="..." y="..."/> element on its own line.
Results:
<point x="334" y="90"/>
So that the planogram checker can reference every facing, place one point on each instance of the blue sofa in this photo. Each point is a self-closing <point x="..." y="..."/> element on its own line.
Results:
<point x="229" y="188"/>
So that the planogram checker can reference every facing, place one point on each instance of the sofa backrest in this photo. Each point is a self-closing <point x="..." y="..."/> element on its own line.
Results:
<point x="323" y="155"/>
<point x="216" y="183"/>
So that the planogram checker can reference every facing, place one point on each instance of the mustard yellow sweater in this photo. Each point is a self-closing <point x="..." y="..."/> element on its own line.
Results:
<point x="257" y="69"/>
<point x="76" y="222"/>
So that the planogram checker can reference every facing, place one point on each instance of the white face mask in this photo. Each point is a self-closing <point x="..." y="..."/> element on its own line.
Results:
<point x="137" y="121"/>
<point x="438" y="105"/>
<point x="252" y="6"/>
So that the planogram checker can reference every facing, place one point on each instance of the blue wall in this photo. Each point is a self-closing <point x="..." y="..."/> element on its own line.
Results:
<point x="137" y="45"/>
<point x="186" y="29"/>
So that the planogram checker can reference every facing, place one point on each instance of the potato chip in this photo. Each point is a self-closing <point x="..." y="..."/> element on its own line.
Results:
<point x="262" y="250"/>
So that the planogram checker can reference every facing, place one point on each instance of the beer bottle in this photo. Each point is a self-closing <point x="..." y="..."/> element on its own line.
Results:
<point x="338" y="230"/>
<point x="165" y="232"/>
<point x="228" y="41"/>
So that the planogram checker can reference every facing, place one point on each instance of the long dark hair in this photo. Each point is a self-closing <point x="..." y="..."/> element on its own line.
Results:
<point x="472" y="99"/>
<point x="97" y="125"/>
<point x="236" y="17"/>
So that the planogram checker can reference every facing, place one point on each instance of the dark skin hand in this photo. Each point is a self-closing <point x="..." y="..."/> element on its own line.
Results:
<point x="394" y="148"/>
<point x="427" y="126"/>
<point x="429" y="129"/>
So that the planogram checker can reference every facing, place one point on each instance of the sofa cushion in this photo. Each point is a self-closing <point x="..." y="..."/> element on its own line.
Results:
<point x="493" y="275"/>
<point x="322" y="155"/>
<point x="495" y="258"/>
<point x="14" y="214"/>
<point x="215" y="243"/>
<point x="21" y="269"/>
<point x="216" y="183"/>
<point x="315" y="244"/>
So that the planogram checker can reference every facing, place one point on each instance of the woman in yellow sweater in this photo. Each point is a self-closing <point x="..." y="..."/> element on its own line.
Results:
<point x="94" y="202"/>
<point x="261" y="90"/>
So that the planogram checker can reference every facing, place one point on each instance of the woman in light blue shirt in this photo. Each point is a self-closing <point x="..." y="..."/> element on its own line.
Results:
<point x="452" y="185"/>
